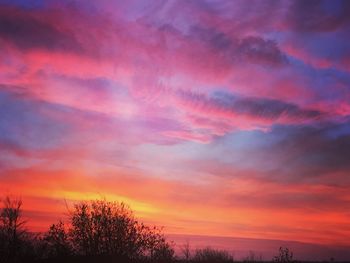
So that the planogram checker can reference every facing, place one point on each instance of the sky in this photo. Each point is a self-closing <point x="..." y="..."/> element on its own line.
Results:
<point x="216" y="118"/>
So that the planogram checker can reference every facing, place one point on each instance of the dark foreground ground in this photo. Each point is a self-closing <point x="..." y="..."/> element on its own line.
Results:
<point x="101" y="259"/>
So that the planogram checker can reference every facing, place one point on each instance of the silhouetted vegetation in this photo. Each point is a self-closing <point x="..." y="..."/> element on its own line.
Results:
<point x="56" y="242"/>
<point x="212" y="255"/>
<point x="284" y="255"/>
<point x="100" y="231"/>
<point x="96" y="229"/>
<point x="15" y="242"/>
<point x="252" y="257"/>
<point x="186" y="251"/>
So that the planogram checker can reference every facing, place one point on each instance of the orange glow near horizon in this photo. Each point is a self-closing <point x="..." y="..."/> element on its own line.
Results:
<point x="161" y="203"/>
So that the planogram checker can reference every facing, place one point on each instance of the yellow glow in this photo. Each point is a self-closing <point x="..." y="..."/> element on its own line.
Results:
<point x="85" y="196"/>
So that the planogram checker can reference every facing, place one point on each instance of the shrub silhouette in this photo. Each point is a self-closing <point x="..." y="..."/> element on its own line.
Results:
<point x="285" y="255"/>
<point x="252" y="257"/>
<point x="212" y="255"/>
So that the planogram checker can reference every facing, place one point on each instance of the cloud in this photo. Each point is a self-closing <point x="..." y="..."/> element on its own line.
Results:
<point x="255" y="108"/>
<point x="24" y="123"/>
<point x="286" y="155"/>
<point x="250" y="49"/>
<point x="315" y="153"/>
<point x="318" y="16"/>
<point x="259" y="50"/>
<point x="291" y="196"/>
<point x="264" y="108"/>
<point x="27" y="31"/>
<point x="49" y="127"/>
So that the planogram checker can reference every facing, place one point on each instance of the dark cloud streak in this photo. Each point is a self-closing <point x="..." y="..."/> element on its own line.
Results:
<point x="251" y="49"/>
<point x="255" y="107"/>
<point x="265" y="108"/>
<point x="27" y="31"/>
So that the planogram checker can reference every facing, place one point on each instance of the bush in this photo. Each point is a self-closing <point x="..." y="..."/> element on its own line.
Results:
<point x="252" y="257"/>
<point x="284" y="256"/>
<point x="212" y="255"/>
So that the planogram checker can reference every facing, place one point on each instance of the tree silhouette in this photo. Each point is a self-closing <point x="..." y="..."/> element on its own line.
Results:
<point x="56" y="242"/>
<point x="16" y="243"/>
<point x="96" y="230"/>
<point x="12" y="232"/>
<point x="110" y="228"/>
<point x="99" y="231"/>
<point x="186" y="251"/>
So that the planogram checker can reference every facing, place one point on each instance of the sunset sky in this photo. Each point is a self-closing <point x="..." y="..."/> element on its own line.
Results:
<point x="216" y="118"/>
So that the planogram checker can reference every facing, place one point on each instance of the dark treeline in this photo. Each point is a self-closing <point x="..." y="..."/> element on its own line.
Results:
<point x="99" y="231"/>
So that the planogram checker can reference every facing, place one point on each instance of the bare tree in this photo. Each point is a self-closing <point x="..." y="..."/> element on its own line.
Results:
<point x="11" y="218"/>
<point x="12" y="232"/>
<point x="186" y="251"/>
